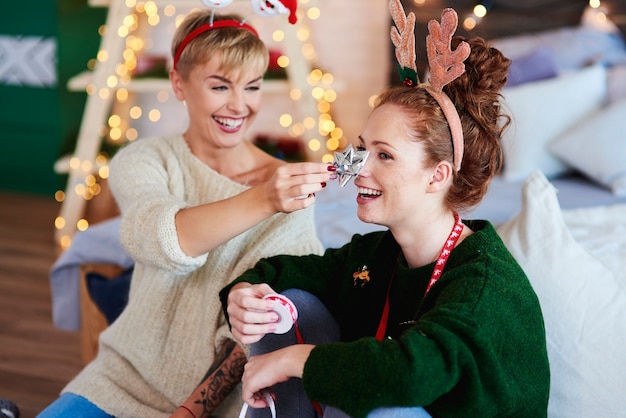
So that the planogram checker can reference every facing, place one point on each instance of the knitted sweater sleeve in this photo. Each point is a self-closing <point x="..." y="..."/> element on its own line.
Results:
<point x="313" y="272"/>
<point x="147" y="182"/>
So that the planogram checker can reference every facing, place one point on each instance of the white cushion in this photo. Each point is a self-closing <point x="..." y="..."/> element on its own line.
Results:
<point x="583" y="305"/>
<point x="616" y="83"/>
<point x="574" y="47"/>
<point x="601" y="230"/>
<point x="543" y="110"/>
<point x="596" y="146"/>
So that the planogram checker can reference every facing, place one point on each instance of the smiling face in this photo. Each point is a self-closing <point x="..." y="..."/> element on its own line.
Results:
<point x="221" y="105"/>
<point x="395" y="187"/>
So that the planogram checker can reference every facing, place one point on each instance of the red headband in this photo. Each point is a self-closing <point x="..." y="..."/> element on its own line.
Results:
<point x="205" y="28"/>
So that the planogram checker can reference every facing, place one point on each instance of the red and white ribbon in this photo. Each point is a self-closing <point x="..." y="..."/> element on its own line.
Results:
<point x="286" y="310"/>
<point x="270" y="403"/>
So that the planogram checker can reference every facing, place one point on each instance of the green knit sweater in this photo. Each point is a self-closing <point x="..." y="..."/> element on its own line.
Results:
<point x="474" y="347"/>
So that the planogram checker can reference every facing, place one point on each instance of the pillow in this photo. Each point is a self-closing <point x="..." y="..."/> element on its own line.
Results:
<point x="573" y="47"/>
<point x="616" y="83"/>
<point x="582" y="303"/>
<point x="538" y="65"/>
<point x="541" y="111"/>
<point x="109" y="294"/>
<point x="596" y="146"/>
<point x="601" y="230"/>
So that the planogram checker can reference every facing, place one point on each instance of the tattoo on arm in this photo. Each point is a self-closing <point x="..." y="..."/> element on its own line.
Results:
<point x="222" y="377"/>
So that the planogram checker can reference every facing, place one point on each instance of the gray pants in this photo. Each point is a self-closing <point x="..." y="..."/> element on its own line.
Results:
<point x="318" y="326"/>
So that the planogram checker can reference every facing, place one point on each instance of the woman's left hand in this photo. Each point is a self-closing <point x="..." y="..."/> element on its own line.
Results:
<point x="265" y="370"/>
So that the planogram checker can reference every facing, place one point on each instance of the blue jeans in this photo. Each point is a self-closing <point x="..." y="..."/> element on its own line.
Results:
<point x="317" y="326"/>
<point x="75" y="406"/>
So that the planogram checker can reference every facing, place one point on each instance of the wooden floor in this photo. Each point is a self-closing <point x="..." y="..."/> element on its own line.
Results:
<point x="36" y="359"/>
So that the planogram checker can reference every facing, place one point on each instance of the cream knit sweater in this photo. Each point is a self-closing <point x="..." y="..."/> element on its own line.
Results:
<point x="155" y="354"/>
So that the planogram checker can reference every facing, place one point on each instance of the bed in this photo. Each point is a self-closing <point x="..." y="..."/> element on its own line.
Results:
<point x="559" y="205"/>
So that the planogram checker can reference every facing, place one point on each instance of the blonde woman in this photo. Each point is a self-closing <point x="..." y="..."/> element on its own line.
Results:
<point x="198" y="209"/>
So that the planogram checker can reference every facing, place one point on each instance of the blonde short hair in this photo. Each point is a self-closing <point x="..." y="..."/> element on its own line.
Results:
<point x="240" y="49"/>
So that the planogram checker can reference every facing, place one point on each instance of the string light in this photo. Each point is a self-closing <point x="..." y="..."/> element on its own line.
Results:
<point x="116" y="126"/>
<point x="318" y="131"/>
<point x="479" y="12"/>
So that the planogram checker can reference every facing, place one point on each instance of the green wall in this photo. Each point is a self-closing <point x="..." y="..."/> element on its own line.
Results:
<point x="39" y="124"/>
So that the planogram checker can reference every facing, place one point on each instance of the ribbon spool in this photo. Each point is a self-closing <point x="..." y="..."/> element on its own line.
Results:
<point x="286" y="311"/>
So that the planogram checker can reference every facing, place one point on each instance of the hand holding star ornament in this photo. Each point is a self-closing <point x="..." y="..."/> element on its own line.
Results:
<point x="349" y="163"/>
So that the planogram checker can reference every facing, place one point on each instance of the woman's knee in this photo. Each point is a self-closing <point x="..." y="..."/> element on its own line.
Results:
<point x="314" y="322"/>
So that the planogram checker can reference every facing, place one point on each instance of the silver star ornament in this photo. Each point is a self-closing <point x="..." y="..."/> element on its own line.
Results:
<point x="349" y="163"/>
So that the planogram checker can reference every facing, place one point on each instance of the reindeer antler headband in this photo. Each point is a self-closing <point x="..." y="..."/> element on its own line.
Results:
<point x="445" y="65"/>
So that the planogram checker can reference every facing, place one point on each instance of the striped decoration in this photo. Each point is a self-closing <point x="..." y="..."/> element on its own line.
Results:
<point x="28" y="61"/>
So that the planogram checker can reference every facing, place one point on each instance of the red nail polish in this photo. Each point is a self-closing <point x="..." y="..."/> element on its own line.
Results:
<point x="331" y="168"/>
<point x="323" y="184"/>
